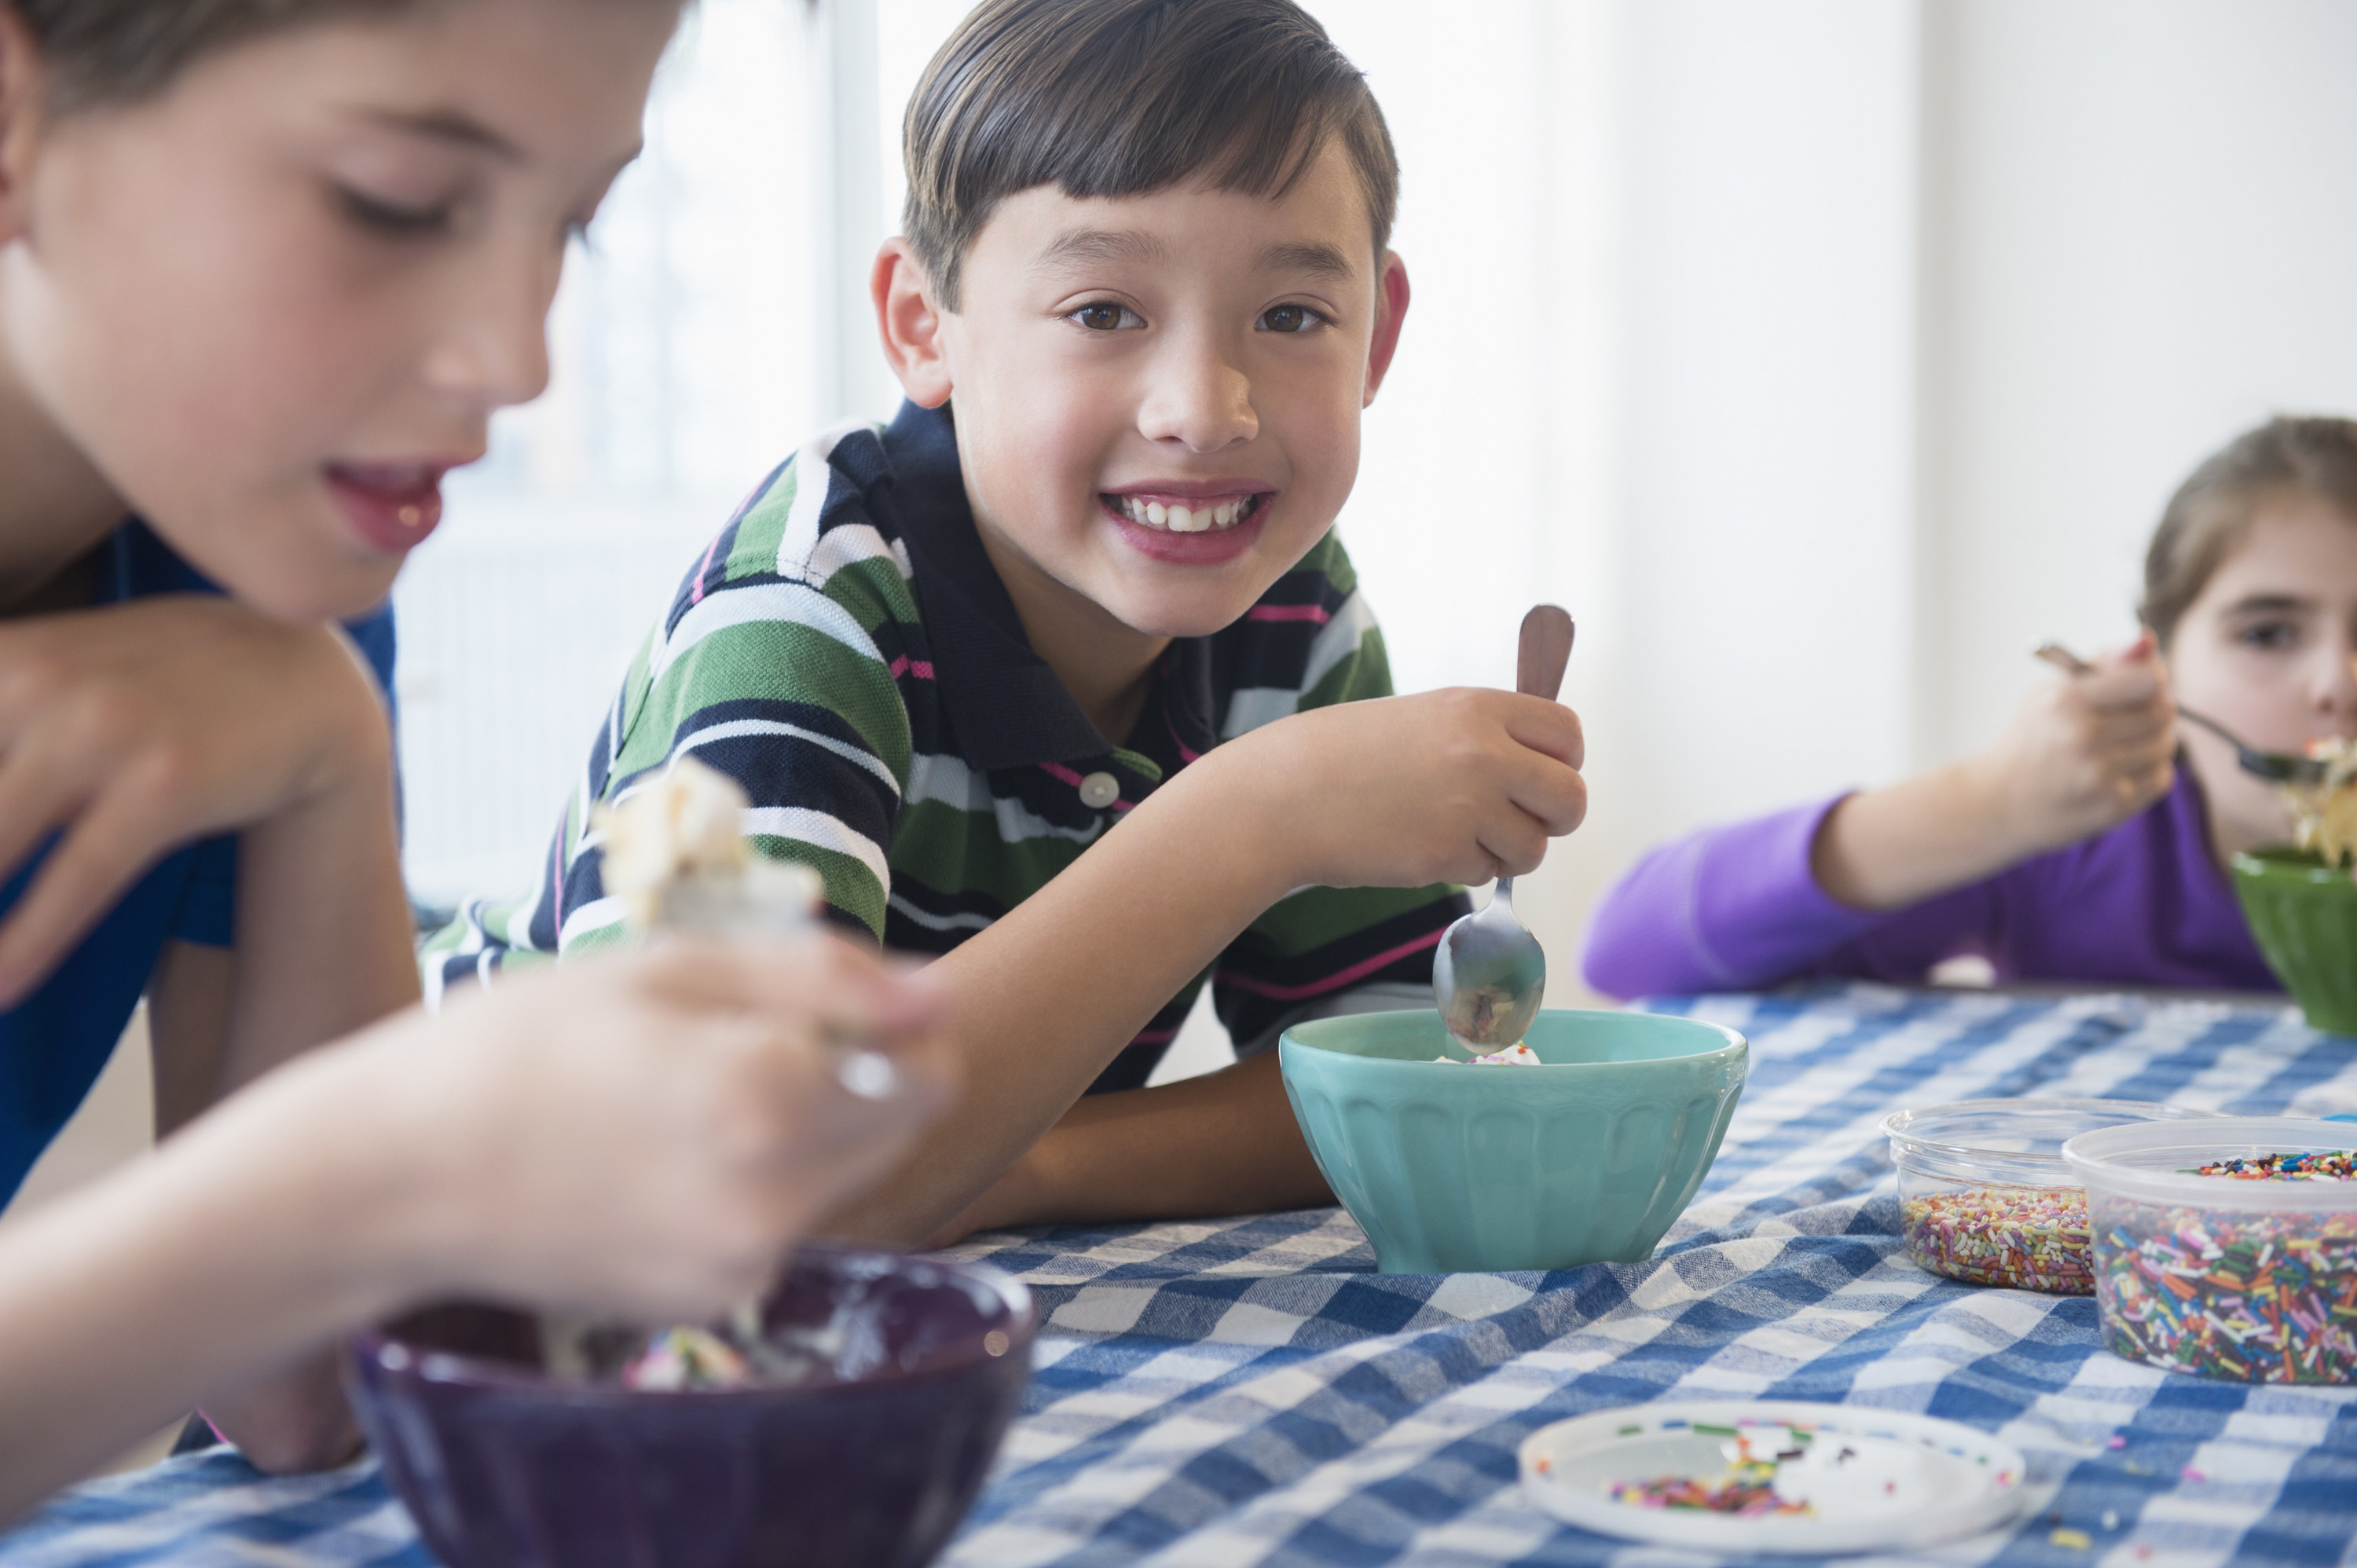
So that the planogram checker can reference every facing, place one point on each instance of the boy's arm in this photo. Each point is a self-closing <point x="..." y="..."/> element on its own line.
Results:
<point x="1403" y="791"/>
<point x="323" y="949"/>
<point x="1225" y="1143"/>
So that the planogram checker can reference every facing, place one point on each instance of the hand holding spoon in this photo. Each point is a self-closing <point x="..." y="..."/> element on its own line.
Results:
<point x="1489" y="972"/>
<point x="2269" y="765"/>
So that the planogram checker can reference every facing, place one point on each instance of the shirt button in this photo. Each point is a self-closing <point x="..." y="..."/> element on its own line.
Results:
<point x="1098" y="790"/>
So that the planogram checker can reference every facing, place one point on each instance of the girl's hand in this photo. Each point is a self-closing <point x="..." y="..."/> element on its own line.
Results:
<point x="2084" y="754"/>
<point x="132" y="729"/>
<point x="645" y="1134"/>
<point x="1454" y="786"/>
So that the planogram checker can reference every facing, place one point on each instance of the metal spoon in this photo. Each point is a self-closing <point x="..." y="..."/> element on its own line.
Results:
<point x="2274" y="766"/>
<point x="1489" y="972"/>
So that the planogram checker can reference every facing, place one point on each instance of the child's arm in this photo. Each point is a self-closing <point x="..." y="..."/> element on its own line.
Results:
<point x="1401" y="791"/>
<point x="1224" y="1143"/>
<point x="2083" y="754"/>
<point x="323" y="949"/>
<point x="1886" y="883"/>
<point x="643" y="1135"/>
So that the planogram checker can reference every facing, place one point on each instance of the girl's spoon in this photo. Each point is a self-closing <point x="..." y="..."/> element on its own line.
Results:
<point x="1490" y="972"/>
<point x="2269" y="765"/>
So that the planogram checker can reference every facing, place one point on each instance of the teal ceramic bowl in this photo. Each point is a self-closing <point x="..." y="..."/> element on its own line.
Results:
<point x="1586" y="1158"/>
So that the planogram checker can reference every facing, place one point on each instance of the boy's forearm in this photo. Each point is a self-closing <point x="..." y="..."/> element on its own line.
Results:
<point x="1046" y="995"/>
<point x="1225" y="1143"/>
<point x="324" y="941"/>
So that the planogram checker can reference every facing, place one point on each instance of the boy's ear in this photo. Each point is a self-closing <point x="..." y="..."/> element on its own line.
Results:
<point x="21" y="91"/>
<point x="1391" y="310"/>
<point x="909" y="325"/>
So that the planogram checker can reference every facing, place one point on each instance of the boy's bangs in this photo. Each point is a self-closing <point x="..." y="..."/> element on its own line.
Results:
<point x="1121" y="99"/>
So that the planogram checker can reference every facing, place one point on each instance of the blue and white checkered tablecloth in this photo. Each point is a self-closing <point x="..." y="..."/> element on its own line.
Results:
<point x="1249" y="1391"/>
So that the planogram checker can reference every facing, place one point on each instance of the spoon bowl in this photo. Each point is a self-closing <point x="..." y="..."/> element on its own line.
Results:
<point x="1488" y="974"/>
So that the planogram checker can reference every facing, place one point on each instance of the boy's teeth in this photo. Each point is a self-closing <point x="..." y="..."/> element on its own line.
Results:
<point x="1183" y="519"/>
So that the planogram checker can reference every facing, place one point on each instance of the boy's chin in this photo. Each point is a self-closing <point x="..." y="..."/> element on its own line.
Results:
<point x="1199" y="611"/>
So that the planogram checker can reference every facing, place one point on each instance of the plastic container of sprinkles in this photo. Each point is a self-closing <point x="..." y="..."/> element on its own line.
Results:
<point x="2250" y="1273"/>
<point x="1985" y="1196"/>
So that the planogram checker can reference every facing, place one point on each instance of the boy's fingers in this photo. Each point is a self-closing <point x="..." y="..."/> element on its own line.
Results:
<point x="37" y="792"/>
<point x="1548" y="727"/>
<point x="101" y="854"/>
<point x="2130" y="686"/>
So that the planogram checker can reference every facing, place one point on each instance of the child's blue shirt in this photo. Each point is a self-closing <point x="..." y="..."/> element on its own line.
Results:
<point x="53" y="1043"/>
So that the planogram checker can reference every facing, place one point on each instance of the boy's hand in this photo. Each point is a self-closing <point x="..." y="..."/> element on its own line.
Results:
<point x="2084" y="754"/>
<point x="648" y="1134"/>
<point x="1454" y="786"/>
<point x="132" y="729"/>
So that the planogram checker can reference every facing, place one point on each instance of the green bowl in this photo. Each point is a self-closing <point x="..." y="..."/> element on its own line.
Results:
<point x="2304" y="915"/>
<point x="1586" y="1158"/>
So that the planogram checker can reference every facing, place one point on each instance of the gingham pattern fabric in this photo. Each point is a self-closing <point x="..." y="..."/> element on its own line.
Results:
<point x="1248" y="1391"/>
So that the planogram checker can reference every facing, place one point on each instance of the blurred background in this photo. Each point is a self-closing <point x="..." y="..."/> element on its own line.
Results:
<point x="1821" y="355"/>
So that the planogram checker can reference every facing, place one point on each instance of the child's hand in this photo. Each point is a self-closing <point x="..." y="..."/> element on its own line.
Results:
<point x="1455" y="785"/>
<point x="2085" y="753"/>
<point x="132" y="729"/>
<point x="648" y="1134"/>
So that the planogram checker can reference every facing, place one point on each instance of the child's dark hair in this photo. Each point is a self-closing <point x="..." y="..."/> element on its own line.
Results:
<point x="2212" y="509"/>
<point x="1112" y="98"/>
<point x="119" y="51"/>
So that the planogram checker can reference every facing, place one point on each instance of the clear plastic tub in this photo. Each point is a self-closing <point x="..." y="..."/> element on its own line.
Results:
<point x="2218" y="1275"/>
<point x="1986" y="1198"/>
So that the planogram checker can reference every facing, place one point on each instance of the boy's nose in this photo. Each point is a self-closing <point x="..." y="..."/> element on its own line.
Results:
<point x="1199" y="399"/>
<point x="492" y="349"/>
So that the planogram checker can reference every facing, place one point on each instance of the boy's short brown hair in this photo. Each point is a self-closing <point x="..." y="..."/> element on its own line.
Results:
<point x="1110" y="98"/>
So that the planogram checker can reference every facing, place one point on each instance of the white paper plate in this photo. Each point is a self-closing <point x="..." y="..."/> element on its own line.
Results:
<point x="1876" y="1480"/>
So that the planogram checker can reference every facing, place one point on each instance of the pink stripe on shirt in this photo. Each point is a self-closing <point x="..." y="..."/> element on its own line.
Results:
<point x="1287" y="612"/>
<point x="904" y="665"/>
<point x="1334" y="981"/>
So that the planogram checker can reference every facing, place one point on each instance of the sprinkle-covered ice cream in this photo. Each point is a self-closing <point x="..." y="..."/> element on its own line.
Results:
<point x="1515" y="1055"/>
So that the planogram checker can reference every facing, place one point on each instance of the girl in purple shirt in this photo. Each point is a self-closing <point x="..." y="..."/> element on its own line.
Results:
<point x="2091" y="841"/>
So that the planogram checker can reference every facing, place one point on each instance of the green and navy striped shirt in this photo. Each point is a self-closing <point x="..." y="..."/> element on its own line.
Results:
<point x="845" y="651"/>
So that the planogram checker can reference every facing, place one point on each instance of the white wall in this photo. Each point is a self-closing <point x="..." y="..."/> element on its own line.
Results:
<point x="2146" y="242"/>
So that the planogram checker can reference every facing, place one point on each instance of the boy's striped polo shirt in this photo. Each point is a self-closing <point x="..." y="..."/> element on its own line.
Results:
<point x="845" y="651"/>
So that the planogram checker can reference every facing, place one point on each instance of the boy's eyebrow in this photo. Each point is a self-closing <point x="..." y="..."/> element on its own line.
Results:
<point x="450" y="125"/>
<point x="1318" y="261"/>
<point x="1080" y="247"/>
<point x="2261" y="604"/>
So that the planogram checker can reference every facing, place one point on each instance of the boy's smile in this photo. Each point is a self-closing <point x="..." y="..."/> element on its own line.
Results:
<point x="1156" y="397"/>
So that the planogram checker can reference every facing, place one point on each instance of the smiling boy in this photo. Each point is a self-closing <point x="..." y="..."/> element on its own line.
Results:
<point x="1063" y="676"/>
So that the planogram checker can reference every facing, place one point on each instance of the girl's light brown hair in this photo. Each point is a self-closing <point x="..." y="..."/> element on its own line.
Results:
<point x="1113" y="98"/>
<point x="2212" y="509"/>
<point x="119" y="51"/>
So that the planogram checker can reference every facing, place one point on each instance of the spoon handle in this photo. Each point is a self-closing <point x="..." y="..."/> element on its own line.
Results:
<point x="1545" y="650"/>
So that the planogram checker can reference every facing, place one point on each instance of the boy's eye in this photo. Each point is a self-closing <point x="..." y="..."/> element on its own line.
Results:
<point x="1104" y="316"/>
<point x="2267" y="636"/>
<point x="389" y="217"/>
<point x="1289" y="318"/>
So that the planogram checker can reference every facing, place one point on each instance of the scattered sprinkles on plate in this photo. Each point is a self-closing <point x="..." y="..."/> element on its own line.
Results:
<point x="1747" y="1496"/>
<point x="2260" y="1297"/>
<point x="2031" y="1238"/>
<point x="2328" y="1164"/>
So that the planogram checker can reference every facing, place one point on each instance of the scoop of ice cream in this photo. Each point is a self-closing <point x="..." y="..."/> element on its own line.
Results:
<point x="1515" y="1055"/>
<point x="2327" y="813"/>
<point x="675" y="854"/>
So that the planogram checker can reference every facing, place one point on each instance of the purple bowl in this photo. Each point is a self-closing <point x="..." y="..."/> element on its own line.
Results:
<point x="872" y="1460"/>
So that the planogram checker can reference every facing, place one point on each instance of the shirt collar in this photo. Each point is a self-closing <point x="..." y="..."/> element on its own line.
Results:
<point x="1006" y="707"/>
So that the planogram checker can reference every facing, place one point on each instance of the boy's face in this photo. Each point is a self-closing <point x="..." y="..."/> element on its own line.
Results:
<point x="1158" y="397"/>
<point x="272" y="306"/>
